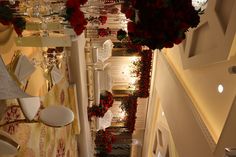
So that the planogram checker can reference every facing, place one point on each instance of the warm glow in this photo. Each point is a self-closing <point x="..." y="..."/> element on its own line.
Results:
<point x="220" y="88"/>
<point x="134" y="59"/>
<point x="162" y="113"/>
<point x="133" y="80"/>
<point x="199" y="4"/>
<point x="122" y="115"/>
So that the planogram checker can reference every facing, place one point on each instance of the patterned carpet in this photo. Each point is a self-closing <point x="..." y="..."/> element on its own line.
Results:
<point x="38" y="140"/>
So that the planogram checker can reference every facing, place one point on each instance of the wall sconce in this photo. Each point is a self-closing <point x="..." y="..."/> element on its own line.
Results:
<point x="232" y="70"/>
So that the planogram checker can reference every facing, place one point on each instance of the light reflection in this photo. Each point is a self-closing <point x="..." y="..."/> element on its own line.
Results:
<point x="199" y="4"/>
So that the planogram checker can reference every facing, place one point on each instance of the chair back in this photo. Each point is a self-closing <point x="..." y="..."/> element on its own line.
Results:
<point x="8" y="146"/>
<point x="29" y="106"/>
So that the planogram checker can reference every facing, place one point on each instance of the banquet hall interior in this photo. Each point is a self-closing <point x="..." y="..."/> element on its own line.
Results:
<point x="75" y="81"/>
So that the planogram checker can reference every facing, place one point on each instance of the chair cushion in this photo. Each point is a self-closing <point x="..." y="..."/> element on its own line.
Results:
<point x="56" y="116"/>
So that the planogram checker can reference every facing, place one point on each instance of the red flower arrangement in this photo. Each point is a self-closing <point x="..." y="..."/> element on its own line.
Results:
<point x="103" y="142"/>
<point x="102" y="19"/>
<point x="129" y="105"/>
<point x="145" y="74"/>
<point x="160" y="23"/>
<point x="103" y="32"/>
<point x="97" y="20"/>
<point x="106" y="101"/>
<point x="142" y="71"/>
<point x="122" y="36"/>
<point x="75" y="16"/>
<point x="8" y="16"/>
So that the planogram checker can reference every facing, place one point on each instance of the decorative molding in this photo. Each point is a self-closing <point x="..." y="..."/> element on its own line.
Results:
<point x="212" y="41"/>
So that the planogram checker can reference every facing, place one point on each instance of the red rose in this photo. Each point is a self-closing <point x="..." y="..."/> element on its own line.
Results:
<point x="78" y="21"/>
<point x="131" y="27"/>
<point x="83" y="1"/>
<point x="109" y="148"/>
<point x="79" y="29"/>
<point x="75" y="17"/>
<point x="102" y="19"/>
<point x="18" y="31"/>
<point x="133" y="2"/>
<point x="178" y="40"/>
<point x="129" y="13"/>
<point x="168" y="44"/>
<point x="104" y="32"/>
<point x="4" y="22"/>
<point x="159" y="3"/>
<point x="73" y="4"/>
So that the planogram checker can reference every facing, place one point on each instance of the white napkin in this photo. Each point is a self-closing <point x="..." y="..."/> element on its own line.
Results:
<point x="56" y="75"/>
<point x="24" y="68"/>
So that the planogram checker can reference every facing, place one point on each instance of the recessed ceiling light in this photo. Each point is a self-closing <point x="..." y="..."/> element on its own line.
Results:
<point x="220" y="88"/>
<point x="162" y="113"/>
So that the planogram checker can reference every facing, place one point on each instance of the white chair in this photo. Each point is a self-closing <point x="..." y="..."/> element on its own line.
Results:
<point x="100" y="53"/>
<point x="8" y="146"/>
<point x="102" y="81"/>
<point x="106" y="78"/>
<point x="105" y="121"/>
<point x="105" y="52"/>
<point x="54" y="116"/>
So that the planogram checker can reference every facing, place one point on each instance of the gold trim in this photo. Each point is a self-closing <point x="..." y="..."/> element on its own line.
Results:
<point x="10" y="141"/>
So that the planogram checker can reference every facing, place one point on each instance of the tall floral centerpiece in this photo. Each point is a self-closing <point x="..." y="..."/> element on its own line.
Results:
<point x="129" y="105"/>
<point x="144" y="72"/>
<point x="106" y="101"/>
<point x="104" y="140"/>
<point x="100" y="20"/>
<point x="75" y="16"/>
<point x="159" y="23"/>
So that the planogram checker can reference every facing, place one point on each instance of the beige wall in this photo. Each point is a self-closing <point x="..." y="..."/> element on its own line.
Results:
<point x="168" y="142"/>
<point x="202" y="61"/>
<point x="202" y="83"/>
<point x="189" y="134"/>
